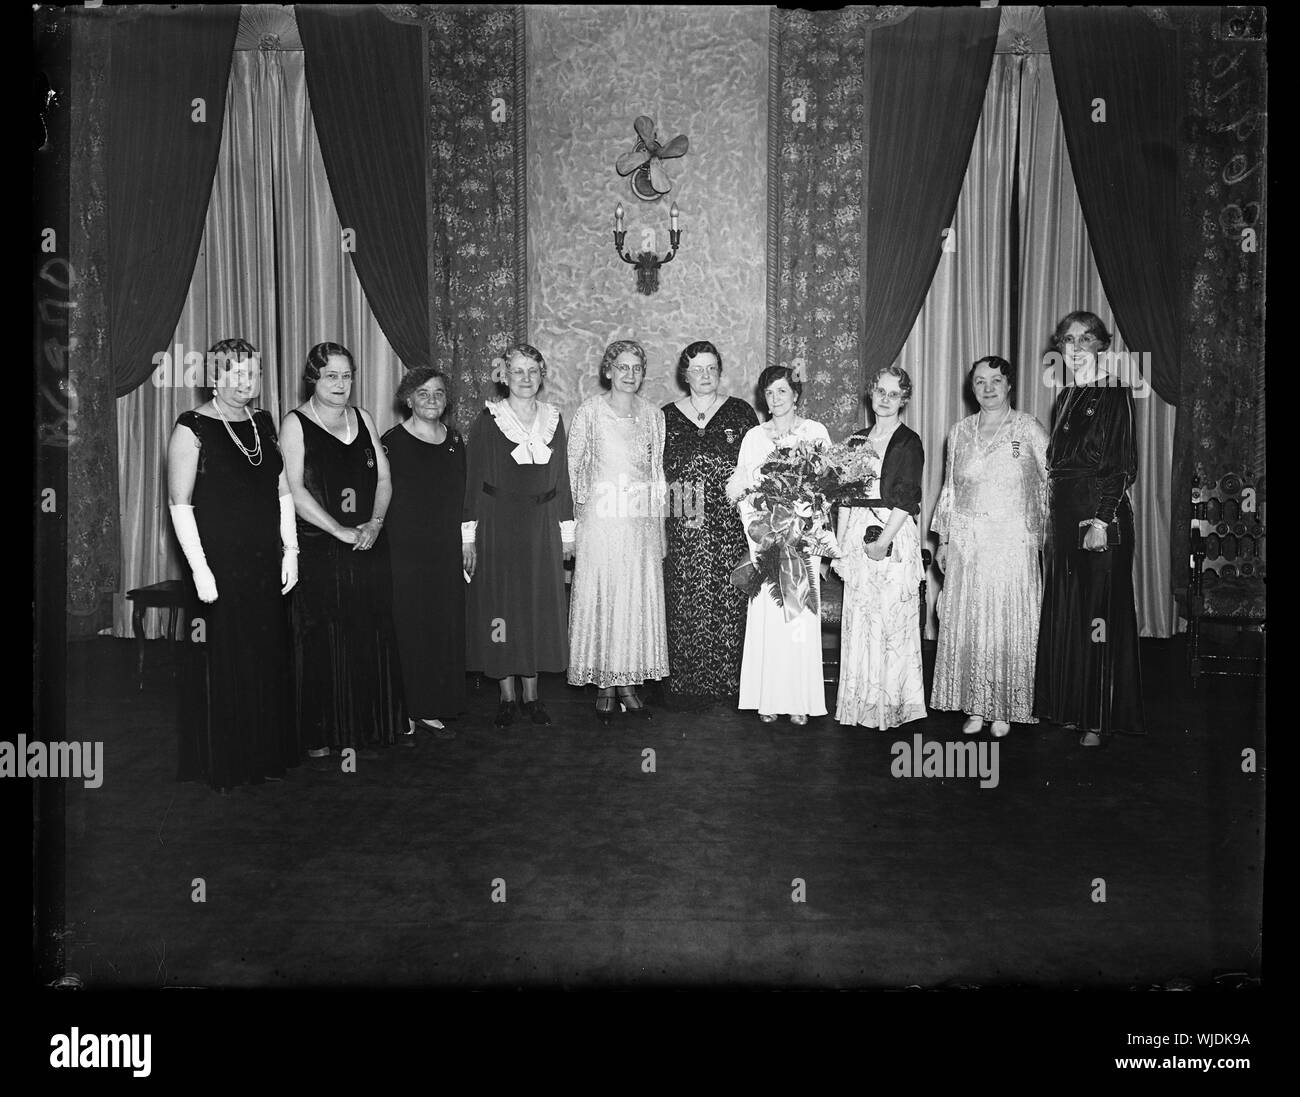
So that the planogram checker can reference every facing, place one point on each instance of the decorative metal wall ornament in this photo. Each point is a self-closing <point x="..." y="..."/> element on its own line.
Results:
<point x="649" y="181"/>
<point x="647" y="263"/>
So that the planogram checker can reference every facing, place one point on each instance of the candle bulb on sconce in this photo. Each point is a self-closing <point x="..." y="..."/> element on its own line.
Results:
<point x="647" y="263"/>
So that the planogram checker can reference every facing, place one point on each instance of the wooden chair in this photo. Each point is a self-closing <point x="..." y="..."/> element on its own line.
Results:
<point x="1226" y="574"/>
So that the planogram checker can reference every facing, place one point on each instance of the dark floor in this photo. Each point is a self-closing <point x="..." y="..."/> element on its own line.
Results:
<point x="684" y="876"/>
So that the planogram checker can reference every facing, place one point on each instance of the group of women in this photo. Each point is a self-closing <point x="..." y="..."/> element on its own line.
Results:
<point x="390" y="606"/>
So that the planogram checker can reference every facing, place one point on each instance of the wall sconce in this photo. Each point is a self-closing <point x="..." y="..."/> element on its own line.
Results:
<point x="647" y="263"/>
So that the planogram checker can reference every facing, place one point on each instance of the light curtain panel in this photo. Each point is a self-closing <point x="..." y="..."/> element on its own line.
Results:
<point x="270" y="269"/>
<point x="700" y="71"/>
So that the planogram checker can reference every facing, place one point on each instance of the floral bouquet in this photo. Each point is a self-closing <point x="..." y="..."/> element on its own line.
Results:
<point x="789" y="521"/>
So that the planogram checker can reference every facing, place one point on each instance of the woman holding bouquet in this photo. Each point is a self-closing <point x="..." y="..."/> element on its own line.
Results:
<point x="781" y="665"/>
<point x="881" y="682"/>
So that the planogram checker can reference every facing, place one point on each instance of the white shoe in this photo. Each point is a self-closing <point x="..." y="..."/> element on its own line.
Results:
<point x="973" y="725"/>
<point x="1000" y="729"/>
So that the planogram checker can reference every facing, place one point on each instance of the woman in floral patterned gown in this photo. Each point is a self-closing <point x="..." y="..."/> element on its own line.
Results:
<point x="706" y="614"/>
<point x="881" y="681"/>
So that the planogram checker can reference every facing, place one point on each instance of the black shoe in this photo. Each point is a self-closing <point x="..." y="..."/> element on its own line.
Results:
<point x="632" y="705"/>
<point x="536" y="712"/>
<point x="505" y="714"/>
<point x="606" y="707"/>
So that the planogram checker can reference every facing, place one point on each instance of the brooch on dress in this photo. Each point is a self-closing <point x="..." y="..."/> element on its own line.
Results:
<point x="370" y="458"/>
<point x="731" y="437"/>
<point x="1015" y="447"/>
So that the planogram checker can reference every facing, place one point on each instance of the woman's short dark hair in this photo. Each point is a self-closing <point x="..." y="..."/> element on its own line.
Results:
<point x="1091" y="322"/>
<point x="904" y="383"/>
<point x="770" y="377"/>
<point x="700" y="346"/>
<point x="617" y="347"/>
<point x="224" y="354"/>
<point x="528" y="351"/>
<point x="998" y="363"/>
<point x="415" y="378"/>
<point x="318" y="358"/>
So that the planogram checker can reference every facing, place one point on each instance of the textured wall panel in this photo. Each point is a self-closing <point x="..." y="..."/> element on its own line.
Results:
<point x="701" y="71"/>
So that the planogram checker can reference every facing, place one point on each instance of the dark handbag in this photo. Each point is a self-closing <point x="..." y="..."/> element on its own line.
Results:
<point x="1112" y="533"/>
<point x="872" y="534"/>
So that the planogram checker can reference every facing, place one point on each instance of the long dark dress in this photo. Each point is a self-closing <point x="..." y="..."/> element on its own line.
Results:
<point x="348" y="682"/>
<point x="423" y="531"/>
<point x="706" y="614"/>
<point x="1088" y="672"/>
<point x="235" y="724"/>
<point x="517" y="619"/>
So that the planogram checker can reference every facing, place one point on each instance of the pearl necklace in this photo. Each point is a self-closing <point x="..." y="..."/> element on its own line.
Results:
<point x="311" y="407"/>
<point x="249" y="454"/>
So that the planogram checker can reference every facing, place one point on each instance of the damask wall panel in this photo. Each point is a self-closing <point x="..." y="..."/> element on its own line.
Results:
<point x="1222" y="170"/>
<point x="475" y="159"/>
<point x="701" y="71"/>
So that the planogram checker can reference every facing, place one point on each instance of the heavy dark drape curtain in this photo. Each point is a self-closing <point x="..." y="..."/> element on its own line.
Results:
<point x="166" y="102"/>
<point x="925" y="79"/>
<point x="365" y="79"/>
<point x="1118" y="84"/>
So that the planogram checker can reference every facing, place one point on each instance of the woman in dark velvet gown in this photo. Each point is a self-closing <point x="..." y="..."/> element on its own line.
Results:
<point x="706" y="614"/>
<point x="426" y="463"/>
<point x="347" y="678"/>
<point x="231" y="507"/>
<point x="1088" y="675"/>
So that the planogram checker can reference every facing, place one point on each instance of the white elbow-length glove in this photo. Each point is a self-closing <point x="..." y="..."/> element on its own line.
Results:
<point x="289" y="539"/>
<point x="187" y="533"/>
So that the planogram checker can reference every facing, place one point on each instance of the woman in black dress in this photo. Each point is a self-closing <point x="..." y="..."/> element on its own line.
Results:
<point x="346" y="674"/>
<point x="706" y="614"/>
<point x="426" y="463"/>
<point x="1088" y="676"/>
<point x="517" y="531"/>
<point x="231" y="508"/>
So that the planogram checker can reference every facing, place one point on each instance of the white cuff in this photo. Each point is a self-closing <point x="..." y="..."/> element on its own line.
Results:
<point x="288" y="524"/>
<point x="568" y="531"/>
<point x="468" y="532"/>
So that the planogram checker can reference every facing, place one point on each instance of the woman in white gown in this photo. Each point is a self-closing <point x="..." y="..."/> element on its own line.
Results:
<point x="990" y="523"/>
<point x="881" y="681"/>
<point x="781" y="666"/>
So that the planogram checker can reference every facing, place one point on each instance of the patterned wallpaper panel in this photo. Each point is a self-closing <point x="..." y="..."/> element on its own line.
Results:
<point x="698" y="70"/>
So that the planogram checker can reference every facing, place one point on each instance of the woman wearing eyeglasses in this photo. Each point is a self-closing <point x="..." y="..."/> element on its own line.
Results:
<point x="1088" y="675"/>
<point x="881" y="681"/>
<point x="706" y="614"/>
<point x="989" y="520"/>
<point x="617" y="631"/>
<point x="516" y="534"/>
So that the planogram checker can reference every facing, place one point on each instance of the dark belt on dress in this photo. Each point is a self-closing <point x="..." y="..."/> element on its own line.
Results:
<point x="544" y="497"/>
<point x="857" y="502"/>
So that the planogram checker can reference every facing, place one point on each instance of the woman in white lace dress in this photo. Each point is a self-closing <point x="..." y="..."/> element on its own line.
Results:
<point x="881" y="681"/>
<point x="618" y="634"/>
<point x="990" y="523"/>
